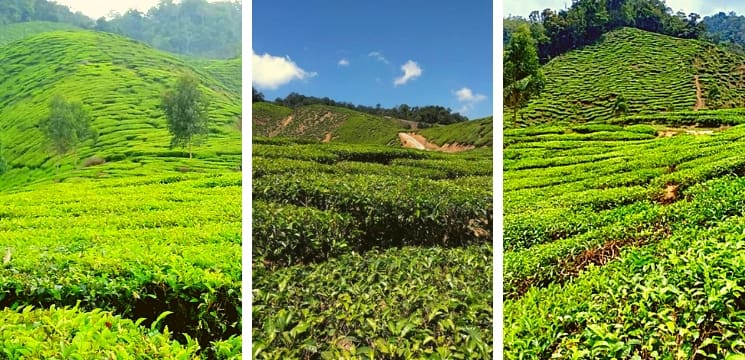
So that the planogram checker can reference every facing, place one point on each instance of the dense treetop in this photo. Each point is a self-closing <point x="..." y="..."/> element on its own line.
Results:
<point x="432" y="114"/>
<point x="728" y="29"/>
<point x="557" y="32"/>
<point x="191" y="27"/>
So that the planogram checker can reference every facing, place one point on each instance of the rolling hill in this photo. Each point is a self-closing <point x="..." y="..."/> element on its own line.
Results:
<point x="321" y="122"/>
<point x="124" y="234"/>
<point x="19" y="31"/>
<point x="335" y="124"/>
<point x="120" y="81"/>
<point x="653" y="73"/>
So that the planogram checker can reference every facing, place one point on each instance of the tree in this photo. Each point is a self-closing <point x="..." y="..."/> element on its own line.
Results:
<point x="185" y="107"/>
<point x="523" y="78"/>
<point x="620" y="106"/>
<point x="256" y="95"/>
<point x="3" y="163"/>
<point x="68" y="125"/>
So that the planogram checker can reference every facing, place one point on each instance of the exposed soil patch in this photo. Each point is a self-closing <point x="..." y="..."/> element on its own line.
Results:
<point x="282" y="126"/>
<point x="416" y="141"/>
<point x="671" y="194"/>
<point x="410" y="142"/>
<point x="326" y="138"/>
<point x="699" y="97"/>
<point x="670" y="132"/>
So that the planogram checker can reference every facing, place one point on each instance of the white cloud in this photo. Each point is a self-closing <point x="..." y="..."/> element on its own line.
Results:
<point x="466" y="95"/>
<point x="379" y="57"/>
<point x="468" y="99"/>
<point x="411" y="71"/>
<point x="343" y="62"/>
<point x="271" y="72"/>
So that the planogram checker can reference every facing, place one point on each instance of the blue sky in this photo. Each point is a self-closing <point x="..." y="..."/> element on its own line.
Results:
<point x="384" y="52"/>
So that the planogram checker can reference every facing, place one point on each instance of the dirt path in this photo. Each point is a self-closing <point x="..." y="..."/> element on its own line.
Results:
<point x="282" y="125"/>
<point x="699" y="97"/>
<point x="409" y="141"/>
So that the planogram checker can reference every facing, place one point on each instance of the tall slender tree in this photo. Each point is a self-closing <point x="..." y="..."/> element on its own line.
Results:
<point x="185" y="107"/>
<point x="522" y="75"/>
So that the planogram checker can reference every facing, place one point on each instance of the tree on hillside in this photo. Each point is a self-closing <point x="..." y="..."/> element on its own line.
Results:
<point x="3" y="163"/>
<point x="68" y="124"/>
<point x="256" y="95"/>
<point x="522" y="75"/>
<point x="620" y="106"/>
<point x="185" y="107"/>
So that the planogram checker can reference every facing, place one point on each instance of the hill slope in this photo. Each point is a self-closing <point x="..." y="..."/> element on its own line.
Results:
<point x="653" y="72"/>
<point x="324" y="123"/>
<point x="19" y="31"/>
<point x="120" y="81"/>
<point x="473" y="132"/>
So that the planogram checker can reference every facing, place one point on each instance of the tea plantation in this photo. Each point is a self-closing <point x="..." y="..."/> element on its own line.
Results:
<point x="648" y="72"/>
<point x="625" y="241"/>
<point x="134" y="251"/>
<point x="368" y="251"/>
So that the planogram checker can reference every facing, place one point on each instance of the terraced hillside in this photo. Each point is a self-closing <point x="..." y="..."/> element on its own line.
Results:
<point x="137" y="251"/>
<point x="120" y="81"/>
<point x="624" y="241"/>
<point x="369" y="251"/>
<point x="473" y="132"/>
<point x="325" y="123"/>
<point x="648" y="72"/>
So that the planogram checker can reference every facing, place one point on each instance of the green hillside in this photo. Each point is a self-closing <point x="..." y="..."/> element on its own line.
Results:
<point x="319" y="122"/>
<point x="19" y="31"/>
<point x="652" y="72"/>
<point x="136" y="251"/>
<point x="474" y="132"/>
<point x="120" y="81"/>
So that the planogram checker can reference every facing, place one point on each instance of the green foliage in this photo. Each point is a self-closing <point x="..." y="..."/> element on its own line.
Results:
<point x="334" y="274"/>
<point x="72" y="333"/>
<point x="432" y="114"/>
<point x="473" y="132"/>
<point x="399" y="303"/>
<point x="121" y="82"/>
<point x="586" y="21"/>
<point x="285" y="235"/>
<point x="191" y="27"/>
<point x="67" y="126"/>
<point x="186" y="108"/>
<point x="19" y="31"/>
<point x="15" y="11"/>
<point x="653" y="73"/>
<point x="320" y="121"/>
<point x="523" y="78"/>
<point x="611" y="246"/>
<point x="167" y="243"/>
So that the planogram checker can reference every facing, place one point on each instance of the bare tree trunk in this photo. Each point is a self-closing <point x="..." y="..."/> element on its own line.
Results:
<point x="189" y="149"/>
